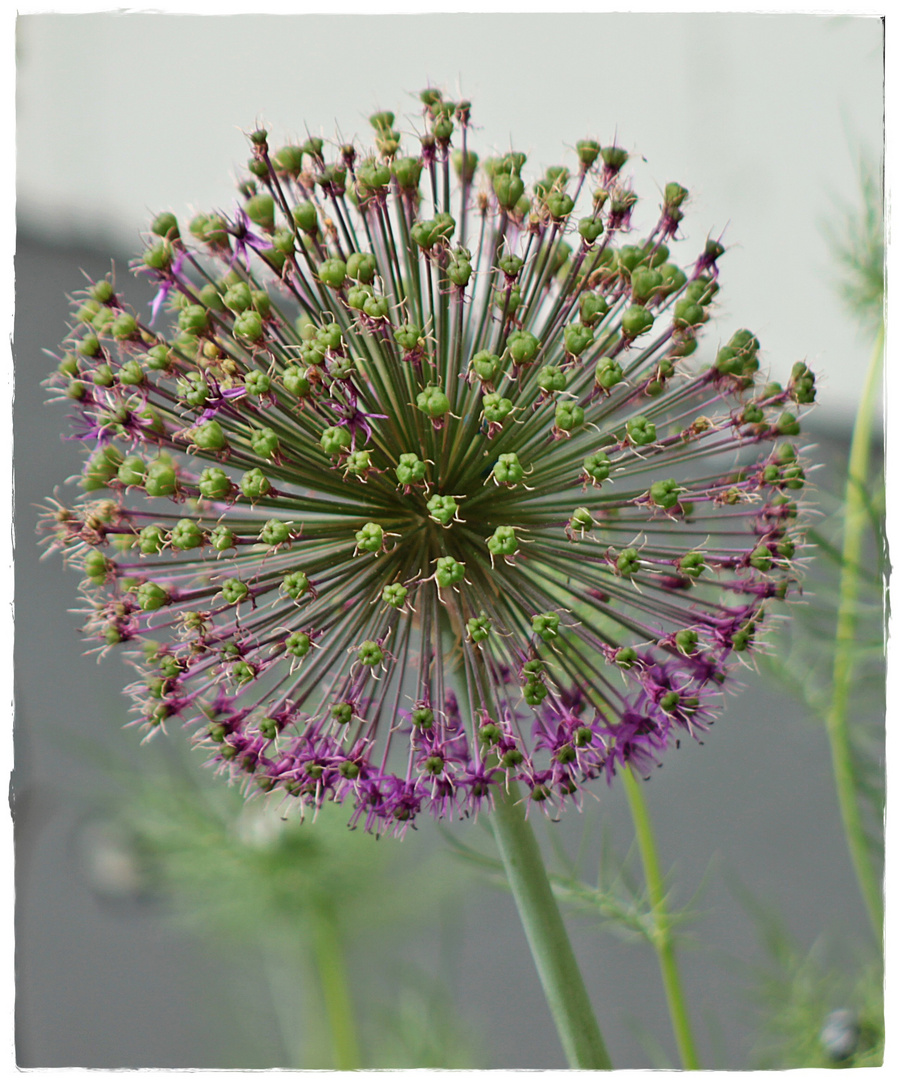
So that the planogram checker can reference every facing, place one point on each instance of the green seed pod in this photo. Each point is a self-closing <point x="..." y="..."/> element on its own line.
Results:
<point x="568" y="416"/>
<point x="370" y="538"/>
<point x="150" y="540"/>
<point x="433" y="401"/>
<point x="442" y="508"/>
<point x="264" y="442"/>
<point x="636" y="321"/>
<point x="305" y="216"/>
<point x="161" y="480"/>
<point x="551" y="379"/>
<point x="449" y="572"/>
<point x="151" y="597"/>
<point x="665" y="493"/>
<point x="508" y="470"/>
<point x="334" y="440"/>
<point x="590" y="229"/>
<point x="523" y="346"/>
<point x="214" y="484"/>
<point x="186" y="535"/>
<point x="260" y="209"/>
<point x="546" y="625"/>
<point x="209" y="436"/>
<point x="597" y="466"/>
<point x="254" y="484"/>
<point x="234" y="590"/>
<point x="394" y="595"/>
<point x="577" y="338"/>
<point x="132" y="471"/>
<point x="410" y="470"/>
<point x="495" y="408"/>
<point x="503" y="542"/>
<point x="222" y="538"/>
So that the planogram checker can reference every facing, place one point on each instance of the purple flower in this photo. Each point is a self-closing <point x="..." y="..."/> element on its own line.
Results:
<point x="436" y="481"/>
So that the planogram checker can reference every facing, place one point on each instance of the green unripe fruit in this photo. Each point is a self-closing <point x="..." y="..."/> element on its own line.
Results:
<point x="214" y="484"/>
<point x="410" y="470"/>
<point x="334" y="440"/>
<point x="161" y="480"/>
<point x="636" y="321"/>
<point x="151" y="597"/>
<point x="186" y="535"/>
<point x="209" y="436"/>
<point x="260" y="209"/>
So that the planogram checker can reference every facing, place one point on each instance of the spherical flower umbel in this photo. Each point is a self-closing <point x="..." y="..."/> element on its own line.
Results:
<point x="433" y="481"/>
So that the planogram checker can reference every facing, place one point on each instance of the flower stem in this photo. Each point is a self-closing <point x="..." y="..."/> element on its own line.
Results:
<point x="553" y="956"/>
<point x="662" y="939"/>
<point x="330" y="963"/>
<point x="837" y="719"/>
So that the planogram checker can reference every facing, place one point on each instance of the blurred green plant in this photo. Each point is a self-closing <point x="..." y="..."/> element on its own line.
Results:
<point x="813" y="1014"/>
<point x="832" y="657"/>
<point x="295" y="898"/>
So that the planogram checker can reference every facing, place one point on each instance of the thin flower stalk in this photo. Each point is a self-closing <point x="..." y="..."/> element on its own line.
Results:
<point x="855" y="518"/>
<point x="662" y="937"/>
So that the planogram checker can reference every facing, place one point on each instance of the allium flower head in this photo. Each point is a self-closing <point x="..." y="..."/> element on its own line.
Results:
<point x="425" y="485"/>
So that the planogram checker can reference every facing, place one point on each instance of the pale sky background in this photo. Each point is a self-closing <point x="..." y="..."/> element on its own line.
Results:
<point x="764" y="118"/>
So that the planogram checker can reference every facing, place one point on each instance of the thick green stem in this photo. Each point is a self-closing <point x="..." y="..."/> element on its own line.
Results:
<point x="663" y="939"/>
<point x="837" y="719"/>
<point x="331" y="965"/>
<point x="559" y="974"/>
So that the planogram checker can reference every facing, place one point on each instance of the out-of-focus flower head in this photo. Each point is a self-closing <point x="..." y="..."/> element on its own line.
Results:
<point x="426" y="487"/>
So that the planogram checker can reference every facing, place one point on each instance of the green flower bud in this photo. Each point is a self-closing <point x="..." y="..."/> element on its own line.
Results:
<point x="686" y="641"/>
<point x="478" y="629"/>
